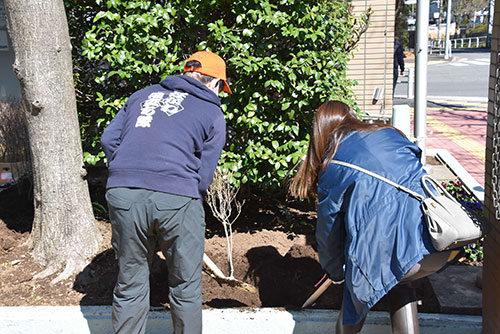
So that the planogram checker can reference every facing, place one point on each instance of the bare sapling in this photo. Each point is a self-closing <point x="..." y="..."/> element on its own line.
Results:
<point x="222" y="198"/>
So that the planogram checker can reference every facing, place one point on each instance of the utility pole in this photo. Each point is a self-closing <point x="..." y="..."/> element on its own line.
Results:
<point x="439" y="26"/>
<point x="490" y="22"/>
<point x="447" y="45"/>
<point x="421" y="51"/>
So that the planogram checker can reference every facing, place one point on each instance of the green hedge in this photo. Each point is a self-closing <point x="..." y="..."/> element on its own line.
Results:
<point x="284" y="59"/>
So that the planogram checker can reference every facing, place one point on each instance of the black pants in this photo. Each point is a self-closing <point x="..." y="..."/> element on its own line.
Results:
<point x="394" y="79"/>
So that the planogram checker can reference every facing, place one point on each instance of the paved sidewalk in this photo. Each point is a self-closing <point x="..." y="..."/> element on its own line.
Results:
<point x="460" y="127"/>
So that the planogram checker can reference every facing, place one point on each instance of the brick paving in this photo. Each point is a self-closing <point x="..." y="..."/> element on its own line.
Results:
<point x="460" y="129"/>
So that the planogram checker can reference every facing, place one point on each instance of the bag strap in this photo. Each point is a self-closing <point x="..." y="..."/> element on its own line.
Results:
<point x="439" y="190"/>
<point x="394" y="184"/>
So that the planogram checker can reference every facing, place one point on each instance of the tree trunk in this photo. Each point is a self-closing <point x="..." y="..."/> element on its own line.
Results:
<point x="64" y="233"/>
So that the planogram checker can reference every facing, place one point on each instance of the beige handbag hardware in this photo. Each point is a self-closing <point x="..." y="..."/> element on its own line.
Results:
<point x="450" y="225"/>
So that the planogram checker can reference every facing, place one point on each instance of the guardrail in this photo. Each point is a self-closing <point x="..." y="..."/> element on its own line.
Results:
<point x="464" y="42"/>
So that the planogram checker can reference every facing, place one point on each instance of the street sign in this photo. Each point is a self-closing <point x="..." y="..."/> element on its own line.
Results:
<point x="410" y="2"/>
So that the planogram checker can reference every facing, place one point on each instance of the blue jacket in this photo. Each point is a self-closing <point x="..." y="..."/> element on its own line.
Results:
<point x="168" y="137"/>
<point x="369" y="226"/>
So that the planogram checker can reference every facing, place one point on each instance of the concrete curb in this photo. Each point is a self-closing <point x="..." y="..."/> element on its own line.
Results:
<point x="470" y="100"/>
<point x="466" y="99"/>
<point x="432" y="59"/>
<point x="456" y="168"/>
<point x="97" y="320"/>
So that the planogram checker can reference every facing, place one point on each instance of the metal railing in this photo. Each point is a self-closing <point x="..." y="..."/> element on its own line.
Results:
<point x="462" y="43"/>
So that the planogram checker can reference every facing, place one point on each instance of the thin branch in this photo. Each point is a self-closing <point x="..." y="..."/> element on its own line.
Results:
<point x="221" y="195"/>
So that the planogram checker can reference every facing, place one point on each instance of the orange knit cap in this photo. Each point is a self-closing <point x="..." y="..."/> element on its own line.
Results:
<point x="211" y="64"/>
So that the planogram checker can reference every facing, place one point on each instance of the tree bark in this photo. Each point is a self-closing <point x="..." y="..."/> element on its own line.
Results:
<point x="64" y="233"/>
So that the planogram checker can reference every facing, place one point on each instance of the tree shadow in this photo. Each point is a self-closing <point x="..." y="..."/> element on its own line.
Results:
<point x="16" y="205"/>
<point x="225" y="303"/>
<point x="97" y="280"/>
<point x="287" y="281"/>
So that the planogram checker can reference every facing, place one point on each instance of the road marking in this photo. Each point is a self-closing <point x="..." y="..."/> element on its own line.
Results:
<point x="459" y="106"/>
<point x="478" y="62"/>
<point x="467" y="62"/>
<point x="468" y="144"/>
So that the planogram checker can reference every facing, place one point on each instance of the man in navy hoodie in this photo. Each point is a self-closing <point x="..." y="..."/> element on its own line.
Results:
<point x="162" y="149"/>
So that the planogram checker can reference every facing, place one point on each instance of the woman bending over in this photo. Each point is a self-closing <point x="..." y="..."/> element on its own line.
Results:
<point x="369" y="234"/>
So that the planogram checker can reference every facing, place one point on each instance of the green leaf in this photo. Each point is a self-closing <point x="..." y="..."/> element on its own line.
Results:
<point x="284" y="58"/>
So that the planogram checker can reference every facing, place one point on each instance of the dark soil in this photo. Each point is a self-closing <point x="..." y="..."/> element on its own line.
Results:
<point x="274" y="250"/>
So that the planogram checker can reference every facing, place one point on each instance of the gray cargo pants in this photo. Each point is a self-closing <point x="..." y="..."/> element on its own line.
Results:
<point x="142" y="219"/>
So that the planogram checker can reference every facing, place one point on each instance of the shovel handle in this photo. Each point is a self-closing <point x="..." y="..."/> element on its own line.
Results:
<point x="221" y="278"/>
<point x="319" y="291"/>
<point x="213" y="267"/>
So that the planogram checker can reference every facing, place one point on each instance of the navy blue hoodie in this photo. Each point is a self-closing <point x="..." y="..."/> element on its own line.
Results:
<point x="168" y="137"/>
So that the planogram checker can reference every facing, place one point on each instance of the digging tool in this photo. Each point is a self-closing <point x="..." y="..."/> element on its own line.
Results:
<point x="219" y="276"/>
<point x="319" y="291"/>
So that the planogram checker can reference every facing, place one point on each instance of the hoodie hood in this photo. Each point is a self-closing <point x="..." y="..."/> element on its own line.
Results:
<point x="192" y="86"/>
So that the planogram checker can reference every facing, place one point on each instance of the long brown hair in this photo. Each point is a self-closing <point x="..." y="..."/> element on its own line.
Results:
<point x="332" y="122"/>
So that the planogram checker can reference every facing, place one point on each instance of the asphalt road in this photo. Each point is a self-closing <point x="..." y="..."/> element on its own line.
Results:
<point x="466" y="75"/>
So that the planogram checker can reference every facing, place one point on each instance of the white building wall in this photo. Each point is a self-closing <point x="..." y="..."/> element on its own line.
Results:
<point x="373" y="61"/>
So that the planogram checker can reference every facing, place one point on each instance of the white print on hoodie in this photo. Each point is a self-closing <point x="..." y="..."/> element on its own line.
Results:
<point x="170" y="105"/>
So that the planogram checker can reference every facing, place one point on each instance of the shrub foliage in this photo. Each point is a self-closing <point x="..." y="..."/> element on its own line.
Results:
<point x="284" y="57"/>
